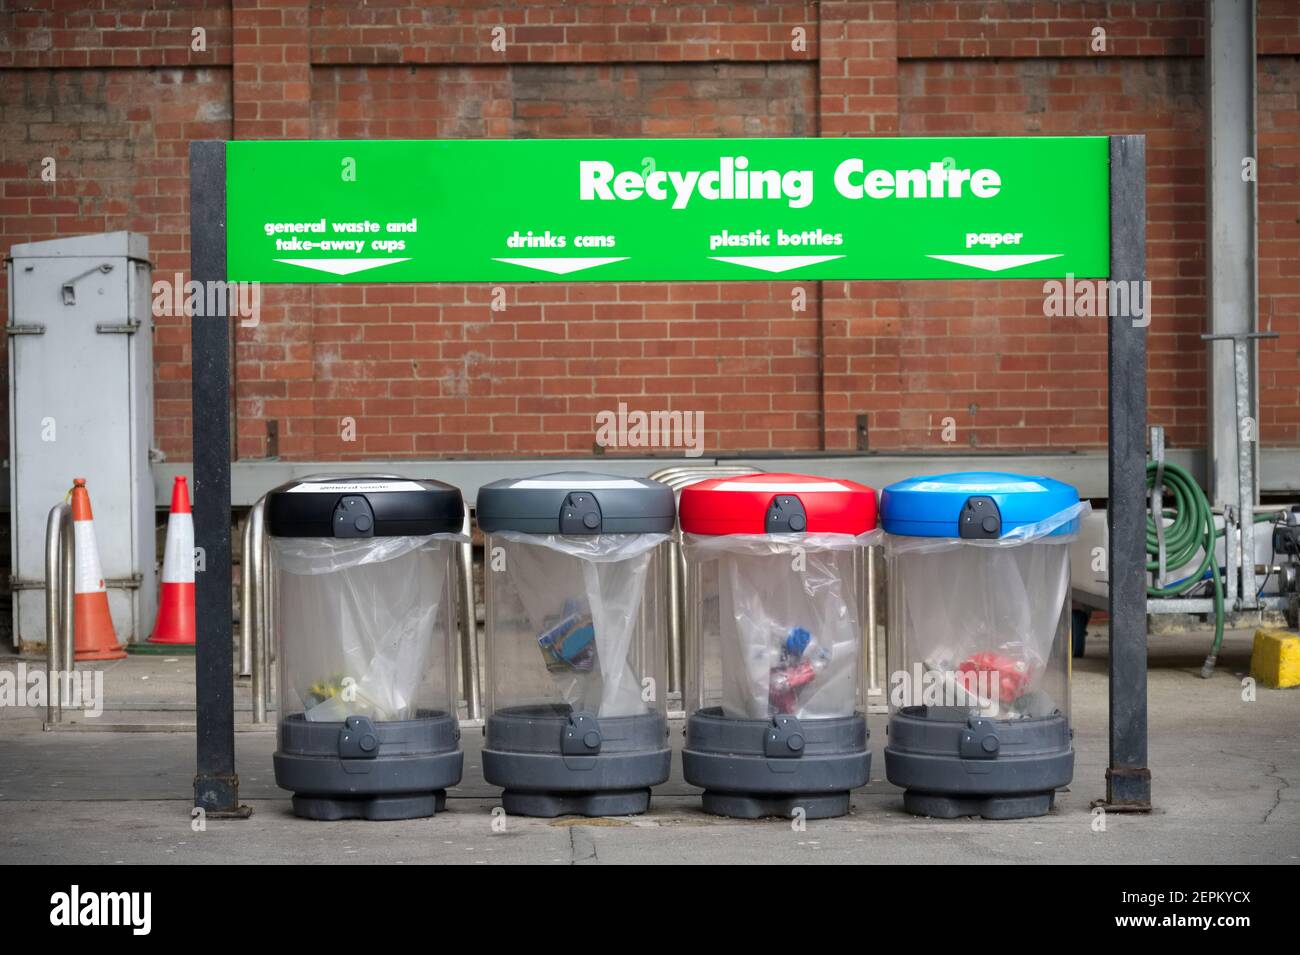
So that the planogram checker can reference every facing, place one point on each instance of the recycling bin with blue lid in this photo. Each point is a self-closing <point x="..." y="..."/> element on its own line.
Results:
<point x="576" y="642"/>
<point x="979" y="642"/>
<point x="775" y="722"/>
<point x="363" y="616"/>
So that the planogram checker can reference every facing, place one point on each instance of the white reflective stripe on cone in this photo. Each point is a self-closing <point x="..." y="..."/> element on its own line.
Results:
<point x="178" y="556"/>
<point x="90" y="574"/>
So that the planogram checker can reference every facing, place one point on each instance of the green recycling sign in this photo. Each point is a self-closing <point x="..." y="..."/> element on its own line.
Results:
<point x="642" y="210"/>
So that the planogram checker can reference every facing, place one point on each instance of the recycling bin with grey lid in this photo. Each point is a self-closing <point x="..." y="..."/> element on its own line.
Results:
<point x="979" y="642"/>
<point x="575" y="645"/>
<point x="363" y="614"/>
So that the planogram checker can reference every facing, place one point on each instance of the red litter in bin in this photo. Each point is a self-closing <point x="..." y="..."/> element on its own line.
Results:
<point x="1012" y="674"/>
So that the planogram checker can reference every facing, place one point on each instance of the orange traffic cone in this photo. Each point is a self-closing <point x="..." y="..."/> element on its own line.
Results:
<point x="175" y="623"/>
<point x="92" y="623"/>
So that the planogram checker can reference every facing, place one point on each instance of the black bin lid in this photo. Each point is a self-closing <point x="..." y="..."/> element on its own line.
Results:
<point x="576" y="502"/>
<point x="363" y="506"/>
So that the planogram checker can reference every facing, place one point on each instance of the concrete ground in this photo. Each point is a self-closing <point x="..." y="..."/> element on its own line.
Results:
<point x="1226" y="780"/>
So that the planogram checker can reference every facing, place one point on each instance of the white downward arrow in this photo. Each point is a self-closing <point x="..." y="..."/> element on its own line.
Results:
<point x="341" y="266"/>
<point x="995" y="263"/>
<point x="560" y="266"/>
<point x="774" y="263"/>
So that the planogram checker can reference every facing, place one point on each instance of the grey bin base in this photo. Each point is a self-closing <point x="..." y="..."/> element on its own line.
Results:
<point x="363" y="769"/>
<point x="374" y="808"/>
<point x="755" y="768"/>
<point x="952" y="763"/>
<point x="544" y="760"/>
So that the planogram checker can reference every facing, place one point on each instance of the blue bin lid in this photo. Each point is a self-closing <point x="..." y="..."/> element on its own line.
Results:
<point x="991" y="504"/>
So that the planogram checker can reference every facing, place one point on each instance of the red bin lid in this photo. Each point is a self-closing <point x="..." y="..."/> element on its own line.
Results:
<point x="777" y="503"/>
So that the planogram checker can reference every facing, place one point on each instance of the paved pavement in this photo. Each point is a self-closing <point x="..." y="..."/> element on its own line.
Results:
<point x="1225" y="778"/>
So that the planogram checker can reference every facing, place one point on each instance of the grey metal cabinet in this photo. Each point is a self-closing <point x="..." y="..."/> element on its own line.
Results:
<point x="81" y="405"/>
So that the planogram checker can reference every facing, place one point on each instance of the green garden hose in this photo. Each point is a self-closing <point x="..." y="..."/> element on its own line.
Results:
<point x="1192" y="530"/>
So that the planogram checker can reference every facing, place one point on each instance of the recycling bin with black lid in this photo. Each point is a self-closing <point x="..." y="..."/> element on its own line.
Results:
<point x="575" y="646"/>
<point x="979" y="642"/>
<point x="363" y="614"/>
<point x="775" y="643"/>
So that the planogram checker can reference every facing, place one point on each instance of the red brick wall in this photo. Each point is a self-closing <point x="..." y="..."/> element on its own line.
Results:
<point x="113" y="90"/>
<point x="120" y="140"/>
<point x="1049" y="375"/>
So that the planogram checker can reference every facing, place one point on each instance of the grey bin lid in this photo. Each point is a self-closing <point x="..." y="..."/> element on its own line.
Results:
<point x="576" y="502"/>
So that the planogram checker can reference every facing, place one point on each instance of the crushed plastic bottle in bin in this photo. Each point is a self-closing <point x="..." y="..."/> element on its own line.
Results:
<point x="801" y="661"/>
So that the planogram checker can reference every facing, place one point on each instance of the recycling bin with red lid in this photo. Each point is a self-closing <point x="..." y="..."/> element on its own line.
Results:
<point x="774" y="643"/>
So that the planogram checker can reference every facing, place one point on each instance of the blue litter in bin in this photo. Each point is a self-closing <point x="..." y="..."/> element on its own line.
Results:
<point x="797" y="642"/>
<point x="569" y="644"/>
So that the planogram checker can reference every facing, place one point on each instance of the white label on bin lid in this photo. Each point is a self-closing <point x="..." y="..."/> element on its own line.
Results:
<point x="532" y="484"/>
<point x="787" y="488"/>
<point x="1016" y="486"/>
<point x="354" y="487"/>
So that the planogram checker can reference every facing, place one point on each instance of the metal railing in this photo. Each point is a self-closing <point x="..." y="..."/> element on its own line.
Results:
<point x="60" y="591"/>
<point x="469" y="657"/>
<point x="867" y="562"/>
<point x="677" y="478"/>
<point x="254" y="609"/>
<point x="257" y="652"/>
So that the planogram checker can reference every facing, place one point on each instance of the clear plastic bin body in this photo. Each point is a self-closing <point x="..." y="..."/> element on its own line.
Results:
<point x="774" y="626"/>
<point x="980" y="626"/>
<point x="576" y="624"/>
<point x="364" y="627"/>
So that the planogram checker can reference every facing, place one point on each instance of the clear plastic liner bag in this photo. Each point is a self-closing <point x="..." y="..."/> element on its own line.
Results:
<point x="789" y="625"/>
<point x="982" y="619"/>
<point x="583" y="598"/>
<point x="356" y="620"/>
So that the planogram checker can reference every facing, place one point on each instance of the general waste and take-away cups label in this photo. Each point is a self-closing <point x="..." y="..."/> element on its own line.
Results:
<point x="667" y="210"/>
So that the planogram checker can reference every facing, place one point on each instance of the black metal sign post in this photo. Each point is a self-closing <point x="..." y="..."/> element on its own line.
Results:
<point x="1128" y="780"/>
<point x="216" y="787"/>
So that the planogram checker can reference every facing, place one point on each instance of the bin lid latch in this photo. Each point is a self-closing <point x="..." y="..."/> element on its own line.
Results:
<point x="979" y="740"/>
<point x="784" y="739"/>
<point x="785" y="514"/>
<point x="580" y="514"/>
<point x="358" y="739"/>
<point x="581" y="735"/>
<point x="353" y="517"/>
<point x="980" y="519"/>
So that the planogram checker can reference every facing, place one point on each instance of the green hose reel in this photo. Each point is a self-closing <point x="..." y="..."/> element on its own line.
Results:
<point x="1192" y="531"/>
